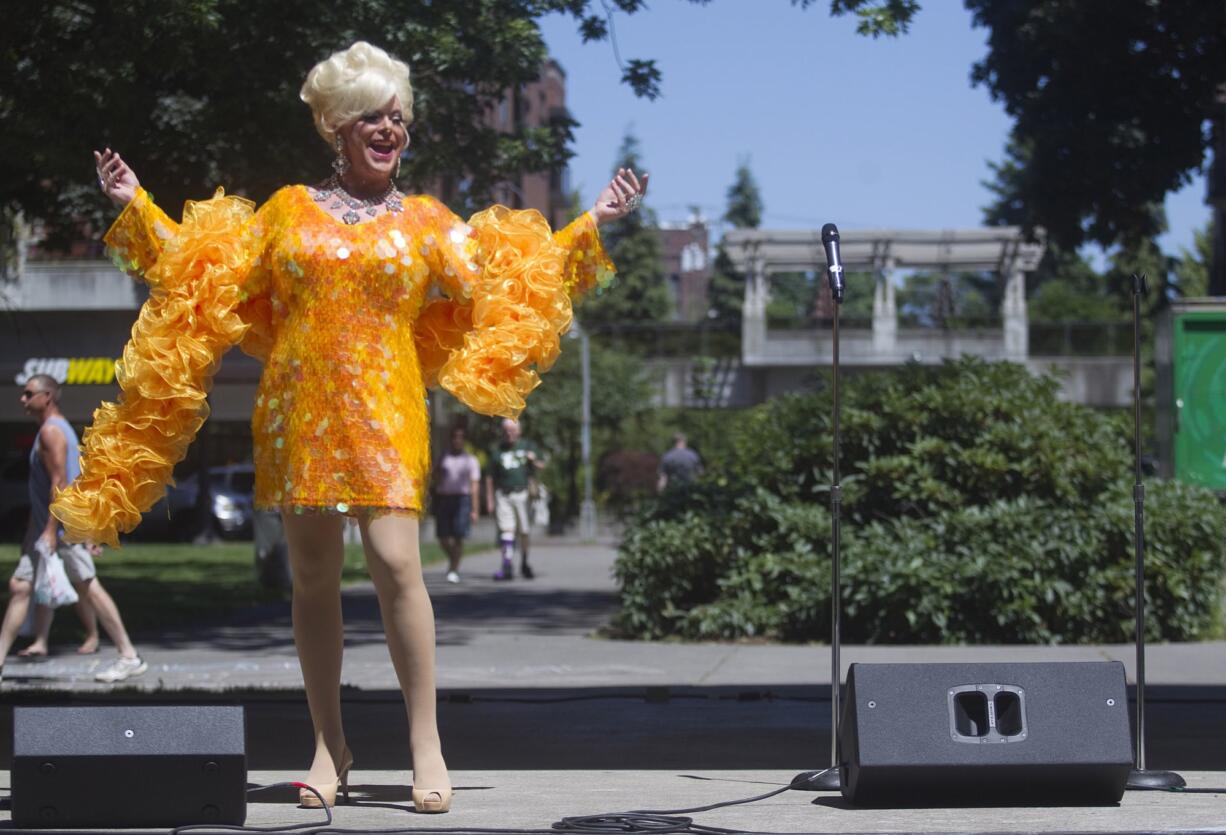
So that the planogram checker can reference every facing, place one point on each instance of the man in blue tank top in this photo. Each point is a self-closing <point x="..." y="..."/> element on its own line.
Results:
<point x="54" y="463"/>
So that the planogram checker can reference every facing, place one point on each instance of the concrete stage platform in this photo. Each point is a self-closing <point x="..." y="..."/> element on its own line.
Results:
<point x="533" y="800"/>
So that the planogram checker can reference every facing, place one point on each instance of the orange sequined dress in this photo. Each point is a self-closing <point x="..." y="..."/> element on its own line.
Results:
<point x="352" y="323"/>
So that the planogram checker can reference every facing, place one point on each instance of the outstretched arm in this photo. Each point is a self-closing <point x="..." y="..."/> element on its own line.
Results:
<point x="136" y="237"/>
<point x="115" y="177"/>
<point x="510" y="281"/>
<point x="204" y="298"/>
<point x="620" y="197"/>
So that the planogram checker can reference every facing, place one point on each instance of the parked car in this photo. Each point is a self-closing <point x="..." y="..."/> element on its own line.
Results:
<point x="229" y="515"/>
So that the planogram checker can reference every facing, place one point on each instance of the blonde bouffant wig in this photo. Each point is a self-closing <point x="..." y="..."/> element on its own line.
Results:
<point x="354" y="81"/>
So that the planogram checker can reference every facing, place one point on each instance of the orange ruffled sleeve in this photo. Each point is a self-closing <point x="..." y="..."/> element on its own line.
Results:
<point x="510" y="283"/>
<point x="136" y="238"/>
<point x="189" y="321"/>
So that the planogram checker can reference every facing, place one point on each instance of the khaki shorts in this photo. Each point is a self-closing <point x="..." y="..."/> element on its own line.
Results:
<point x="78" y="564"/>
<point x="511" y="511"/>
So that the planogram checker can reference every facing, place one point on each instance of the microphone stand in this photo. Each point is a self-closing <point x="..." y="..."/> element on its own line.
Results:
<point x="1140" y="778"/>
<point x="827" y="780"/>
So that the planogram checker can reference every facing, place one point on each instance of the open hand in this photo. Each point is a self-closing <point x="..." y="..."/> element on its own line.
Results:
<point x="620" y="197"/>
<point x="115" y="178"/>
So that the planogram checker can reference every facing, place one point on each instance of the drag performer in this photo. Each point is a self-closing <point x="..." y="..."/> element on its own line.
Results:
<point x="356" y="297"/>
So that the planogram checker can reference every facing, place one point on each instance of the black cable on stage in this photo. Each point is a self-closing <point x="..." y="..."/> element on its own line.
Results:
<point x="654" y="821"/>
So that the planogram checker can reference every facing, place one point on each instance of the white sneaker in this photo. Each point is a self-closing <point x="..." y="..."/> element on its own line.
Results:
<point x="453" y="576"/>
<point x="122" y="669"/>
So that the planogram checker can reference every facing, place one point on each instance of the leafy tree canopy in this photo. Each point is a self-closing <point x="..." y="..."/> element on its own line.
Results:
<point x="639" y="294"/>
<point x="744" y="199"/>
<point x="744" y="211"/>
<point x="197" y="93"/>
<point x="1110" y="101"/>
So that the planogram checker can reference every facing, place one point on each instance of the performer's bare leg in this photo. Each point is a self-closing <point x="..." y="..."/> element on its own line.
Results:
<point x="316" y="555"/>
<point x="394" y="558"/>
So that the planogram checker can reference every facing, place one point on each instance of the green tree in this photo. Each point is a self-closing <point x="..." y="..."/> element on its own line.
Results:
<point x="621" y="391"/>
<point x="1110" y="99"/>
<point x="1065" y="287"/>
<point x="1192" y="266"/>
<point x="744" y="200"/>
<point x="939" y="300"/>
<point x="744" y="211"/>
<point x="639" y="294"/>
<point x="197" y="93"/>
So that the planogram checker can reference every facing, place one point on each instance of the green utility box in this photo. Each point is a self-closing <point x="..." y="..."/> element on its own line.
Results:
<point x="1190" y="354"/>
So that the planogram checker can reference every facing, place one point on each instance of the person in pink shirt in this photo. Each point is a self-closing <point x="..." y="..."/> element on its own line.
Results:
<point x="457" y="484"/>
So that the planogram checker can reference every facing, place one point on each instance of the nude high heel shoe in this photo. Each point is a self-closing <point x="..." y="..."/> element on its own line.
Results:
<point x="307" y="800"/>
<point x="431" y="801"/>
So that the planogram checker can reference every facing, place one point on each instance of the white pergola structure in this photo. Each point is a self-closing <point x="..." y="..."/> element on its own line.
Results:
<point x="759" y="253"/>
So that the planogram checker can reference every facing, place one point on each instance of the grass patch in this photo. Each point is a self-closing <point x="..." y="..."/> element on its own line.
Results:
<point x="164" y="585"/>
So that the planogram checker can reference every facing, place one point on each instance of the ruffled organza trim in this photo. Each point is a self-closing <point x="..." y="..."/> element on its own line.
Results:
<point x="187" y="324"/>
<point x="520" y="307"/>
<point x="135" y="239"/>
<point x="439" y="332"/>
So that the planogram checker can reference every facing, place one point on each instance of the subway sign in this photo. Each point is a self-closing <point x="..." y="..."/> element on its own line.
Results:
<point x="71" y="371"/>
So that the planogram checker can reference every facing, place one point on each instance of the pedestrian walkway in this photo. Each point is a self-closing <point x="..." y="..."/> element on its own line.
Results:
<point x="539" y="634"/>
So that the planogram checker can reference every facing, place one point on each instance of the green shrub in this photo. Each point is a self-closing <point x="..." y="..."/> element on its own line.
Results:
<point x="666" y="568"/>
<point x="977" y="508"/>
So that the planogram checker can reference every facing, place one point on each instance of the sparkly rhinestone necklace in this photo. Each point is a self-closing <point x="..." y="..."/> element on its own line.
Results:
<point x="333" y="189"/>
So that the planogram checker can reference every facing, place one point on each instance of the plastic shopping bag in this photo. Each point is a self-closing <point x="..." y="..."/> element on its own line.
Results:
<point x="540" y="508"/>
<point x="51" y="586"/>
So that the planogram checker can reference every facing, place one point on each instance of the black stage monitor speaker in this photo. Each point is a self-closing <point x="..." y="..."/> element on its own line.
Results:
<point x="974" y="734"/>
<point x="128" y="766"/>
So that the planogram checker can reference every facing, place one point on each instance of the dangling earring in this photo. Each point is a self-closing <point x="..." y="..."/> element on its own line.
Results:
<point x="396" y="176"/>
<point x="341" y="164"/>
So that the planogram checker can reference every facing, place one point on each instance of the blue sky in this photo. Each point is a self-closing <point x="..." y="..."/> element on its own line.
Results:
<point x="837" y="127"/>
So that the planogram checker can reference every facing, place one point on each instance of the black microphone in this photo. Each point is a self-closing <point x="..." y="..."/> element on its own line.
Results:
<point x="834" y="264"/>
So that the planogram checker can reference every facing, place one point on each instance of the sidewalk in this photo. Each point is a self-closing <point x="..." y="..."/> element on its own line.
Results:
<point x="538" y="634"/>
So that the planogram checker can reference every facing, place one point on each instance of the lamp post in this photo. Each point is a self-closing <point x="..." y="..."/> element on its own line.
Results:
<point x="587" y="510"/>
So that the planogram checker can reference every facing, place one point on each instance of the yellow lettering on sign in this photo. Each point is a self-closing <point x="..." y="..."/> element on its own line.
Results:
<point x="76" y="372"/>
<point x="89" y="371"/>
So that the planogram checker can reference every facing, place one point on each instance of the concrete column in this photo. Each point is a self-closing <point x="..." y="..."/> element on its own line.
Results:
<point x="753" y="313"/>
<point x="885" y="312"/>
<point x="1013" y="312"/>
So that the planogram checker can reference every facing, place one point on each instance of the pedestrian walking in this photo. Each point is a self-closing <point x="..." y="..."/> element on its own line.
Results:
<point x="512" y="473"/>
<point x="54" y="465"/>
<point x="679" y="466"/>
<point x="328" y="286"/>
<point x="457" y="486"/>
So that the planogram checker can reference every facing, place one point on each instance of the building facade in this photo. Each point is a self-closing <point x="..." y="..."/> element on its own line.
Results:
<point x="685" y="252"/>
